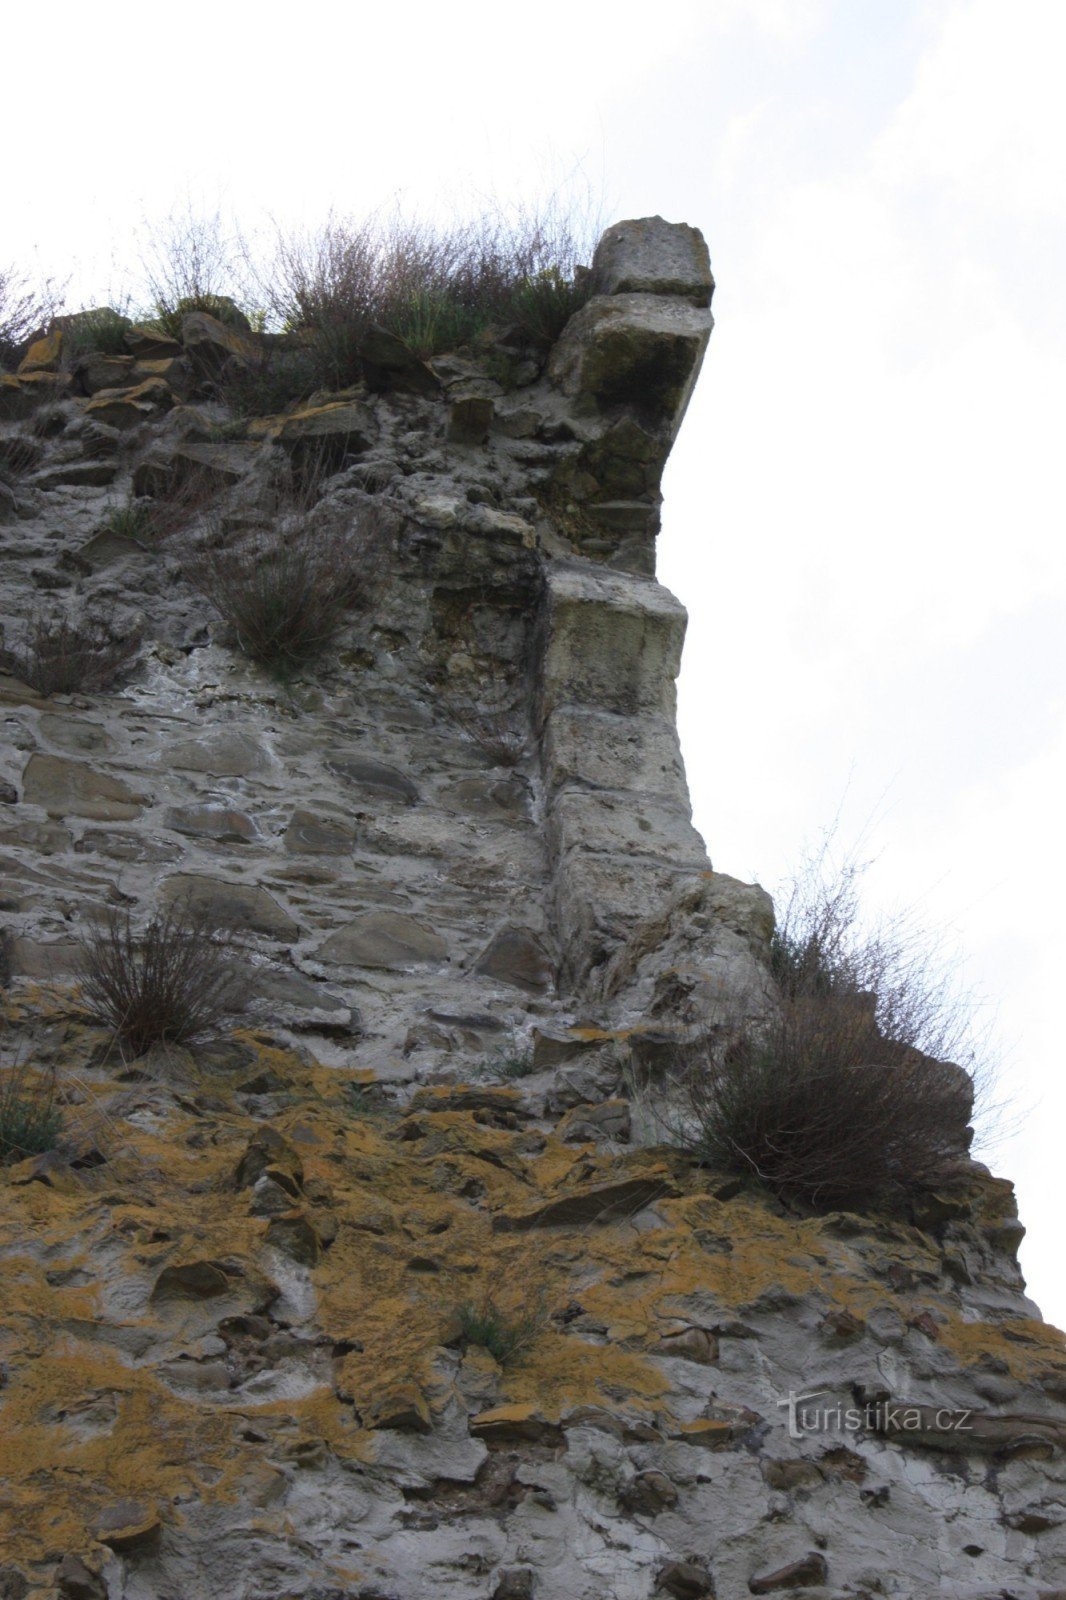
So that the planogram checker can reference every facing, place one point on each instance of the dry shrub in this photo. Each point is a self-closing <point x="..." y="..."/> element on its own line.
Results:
<point x="26" y="309"/>
<point x="494" y="730"/>
<point x="190" y="494"/>
<point x="434" y="288"/>
<point x="285" y="592"/>
<point x="19" y="454"/>
<point x="173" y="983"/>
<point x="192" y="265"/>
<point x="64" y="656"/>
<point x="847" y="1093"/>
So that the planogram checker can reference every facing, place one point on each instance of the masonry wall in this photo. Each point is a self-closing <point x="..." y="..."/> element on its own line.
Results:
<point x="234" y="1365"/>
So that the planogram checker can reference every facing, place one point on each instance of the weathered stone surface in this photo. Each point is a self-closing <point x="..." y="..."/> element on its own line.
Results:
<point x="20" y="395"/>
<point x="74" y="789"/>
<point x="231" y="905"/>
<point x="209" y="343"/>
<point x="685" y="1580"/>
<point x="387" y="939"/>
<point x="225" y="755"/>
<point x="604" y="1203"/>
<point x="642" y="352"/>
<point x="269" y="1152"/>
<point x="95" y="372"/>
<point x="515" y="1424"/>
<point x="128" y="1525"/>
<point x="470" y="418"/>
<point x="516" y="956"/>
<point x="808" y="1572"/>
<point x="650" y="256"/>
<point x="345" y="426"/>
<point x="124" y="408"/>
<point x="44" y="353"/>
<point x="614" y="642"/>
<point x="430" y="1317"/>
<point x="389" y="363"/>
<point x="374" y="777"/>
<point x="149" y="344"/>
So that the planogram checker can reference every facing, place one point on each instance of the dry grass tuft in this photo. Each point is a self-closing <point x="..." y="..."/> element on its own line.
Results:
<point x="173" y="983"/>
<point x="62" y="656"/>
<point x="848" y="1092"/>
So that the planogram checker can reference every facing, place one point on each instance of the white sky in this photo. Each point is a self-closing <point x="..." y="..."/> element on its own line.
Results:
<point x="864" y="513"/>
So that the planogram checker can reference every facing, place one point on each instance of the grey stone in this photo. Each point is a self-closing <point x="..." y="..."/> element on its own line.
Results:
<point x="614" y="642"/>
<point x="635" y="352"/>
<point x="651" y="256"/>
<point x="233" y="905"/>
<point x="386" y="939"/>
<point x="307" y="834"/>
<point x="373" y="777"/>
<point x="516" y="956"/>
<point x="212" y="822"/>
<point x="73" y="789"/>
<point x="223" y="755"/>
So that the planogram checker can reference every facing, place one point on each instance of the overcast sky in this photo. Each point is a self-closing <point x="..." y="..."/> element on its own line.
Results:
<point x="864" y="513"/>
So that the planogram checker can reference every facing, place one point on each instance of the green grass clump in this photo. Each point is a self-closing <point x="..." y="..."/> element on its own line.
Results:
<point x="30" y="1122"/>
<point x="101" y="331"/>
<point x="131" y="520"/>
<point x="505" y="1335"/>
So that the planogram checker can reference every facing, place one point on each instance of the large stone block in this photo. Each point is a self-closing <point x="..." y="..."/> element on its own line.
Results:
<point x="624" y="823"/>
<point x="651" y="256"/>
<point x="641" y="352"/>
<point x="613" y="641"/>
<point x="606" y="750"/>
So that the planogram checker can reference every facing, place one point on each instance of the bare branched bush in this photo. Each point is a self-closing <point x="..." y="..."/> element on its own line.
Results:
<point x="59" y="655"/>
<point x="857" y="1086"/>
<point x="285" y="592"/>
<point x="30" y="1121"/>
<point x="19" y="454"/>
<point x="434" y="288"/>
<point x="99" y="331"/>
<point x="495" y="731"/>
<point x="25" y="311"/>
<point x="173" y="983"/>
<point x="192" y="265"/>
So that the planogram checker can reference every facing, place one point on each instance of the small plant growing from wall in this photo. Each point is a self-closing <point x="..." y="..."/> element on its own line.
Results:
<point x="505" y="1332"/>
<point x="63" y="655"/>
<point x="30" y="1121"/>
<point x="847" y="1091"/>
<point x="171" y="983"/>
<point x="285" y="593"/>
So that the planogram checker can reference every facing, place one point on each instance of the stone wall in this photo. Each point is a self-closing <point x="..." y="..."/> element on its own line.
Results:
<point x="457" y="849"/>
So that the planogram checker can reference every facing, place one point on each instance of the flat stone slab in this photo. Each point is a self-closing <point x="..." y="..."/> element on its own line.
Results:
<point x="220" y="823"/>
<point x="652" y="256"/>
<point x="373" y="777"/>
<point x="607" y="1202"/>
<point x="309" y="835"/>
<point x="243" y="906"/>
<point x="387" y="939"/>
<point x="223" y="755"/>
<point x="517" y="957"/>
<point x="75" y="789"/>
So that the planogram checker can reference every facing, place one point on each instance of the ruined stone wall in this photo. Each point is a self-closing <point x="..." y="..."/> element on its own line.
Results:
<point x="457" y="849"/>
